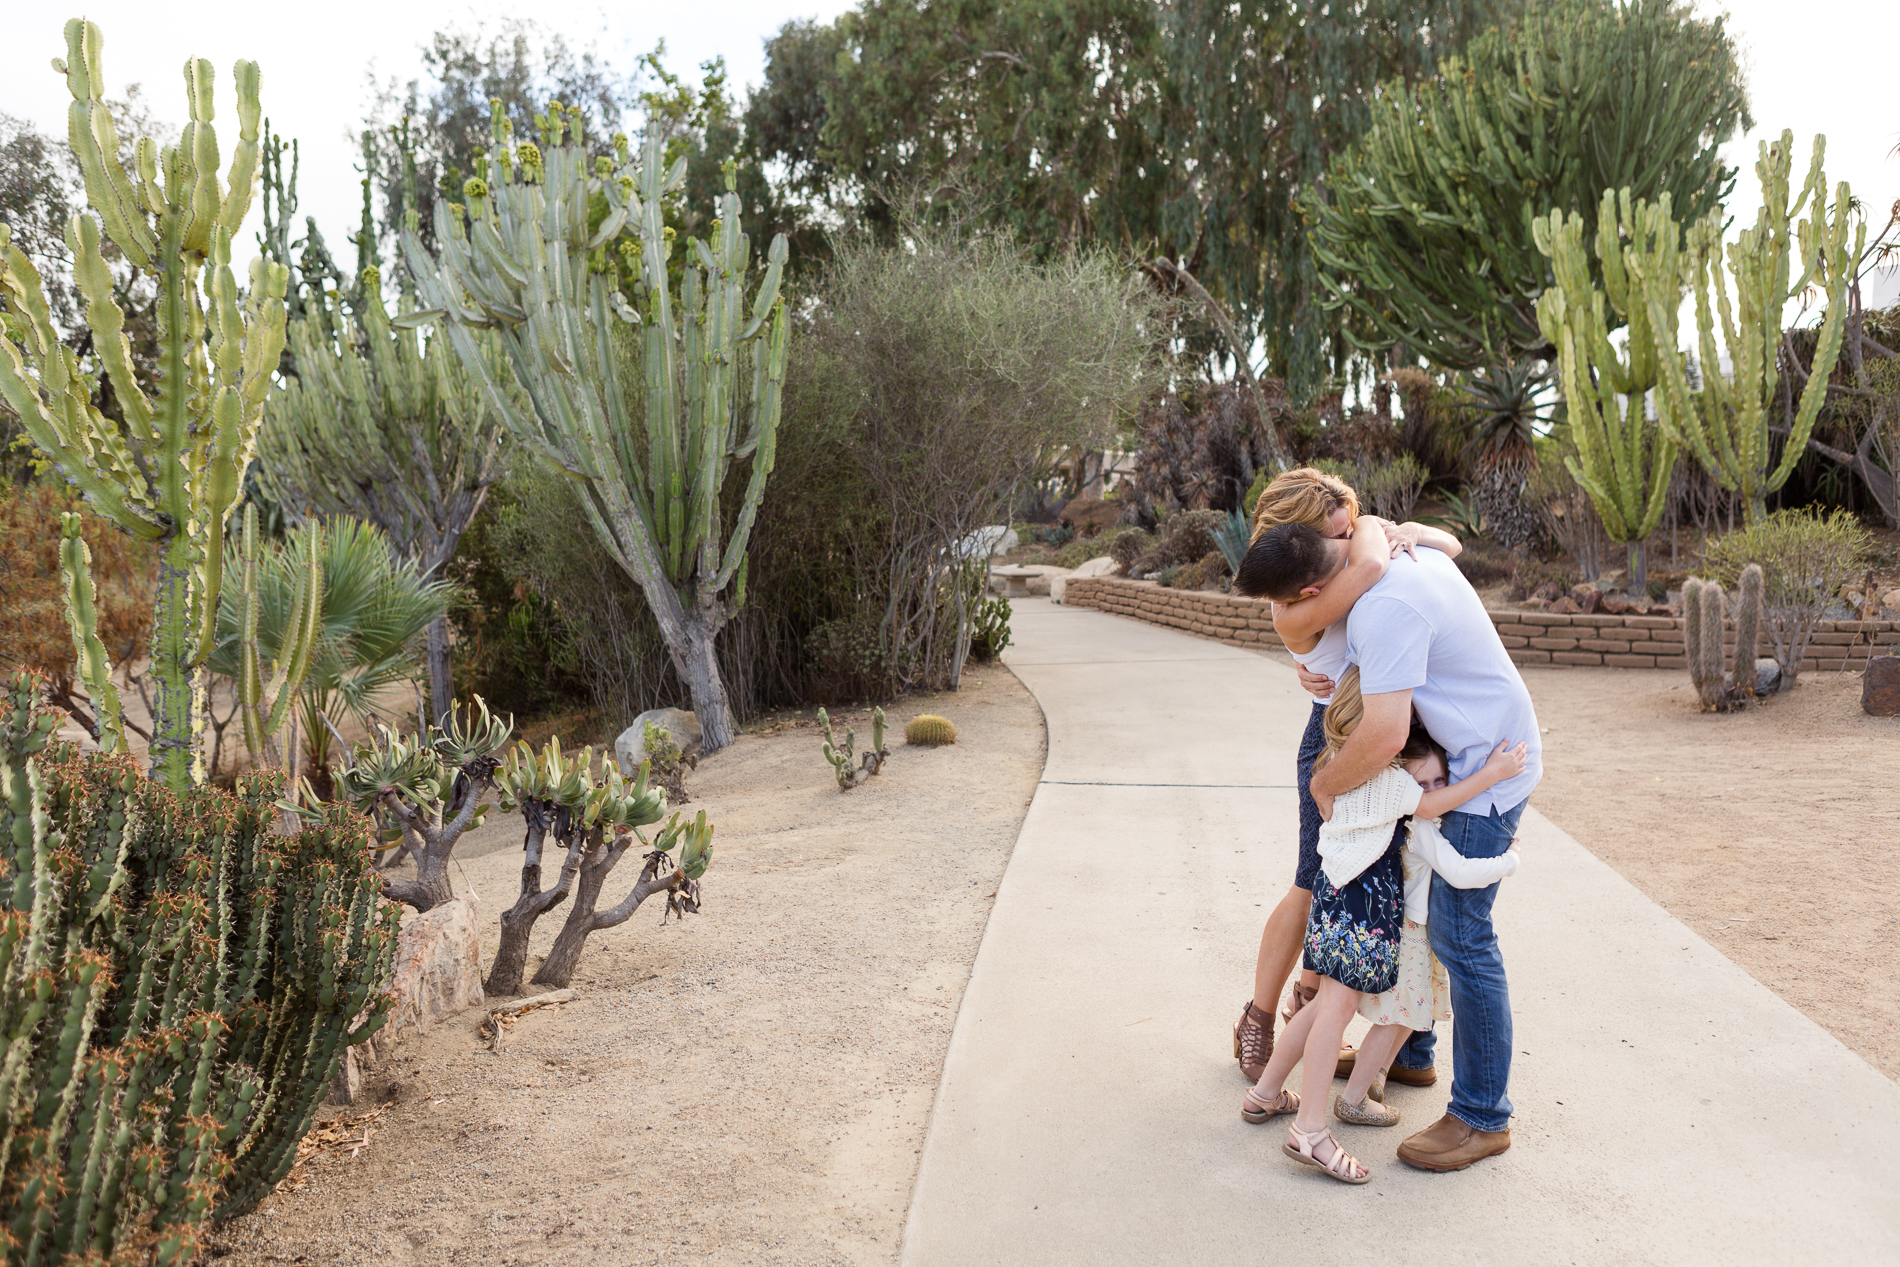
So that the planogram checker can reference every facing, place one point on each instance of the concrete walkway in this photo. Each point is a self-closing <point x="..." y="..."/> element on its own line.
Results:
<point x="1670" y="1109"/>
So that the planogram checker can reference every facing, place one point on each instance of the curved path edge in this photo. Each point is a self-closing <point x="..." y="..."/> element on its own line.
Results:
<point x="1670" y="1108"/>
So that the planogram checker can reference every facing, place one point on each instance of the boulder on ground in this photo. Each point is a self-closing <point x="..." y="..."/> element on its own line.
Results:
<point x="1880" y="686"/>
<point x="631" y="748"/>
<point x="437" y="974"/>
<point x="1767" y="676"/>
<point x="1103" y="566"/>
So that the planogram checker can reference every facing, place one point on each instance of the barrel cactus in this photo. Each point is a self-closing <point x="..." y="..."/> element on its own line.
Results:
<point x="930" y="731"/>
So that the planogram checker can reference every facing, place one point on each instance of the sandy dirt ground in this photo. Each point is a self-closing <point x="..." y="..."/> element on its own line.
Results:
<point x="750" y="1085"/>
<point x="1771" y="832"/>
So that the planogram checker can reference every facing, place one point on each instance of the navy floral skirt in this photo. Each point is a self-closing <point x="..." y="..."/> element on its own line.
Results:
<point x="1352" y="934"/>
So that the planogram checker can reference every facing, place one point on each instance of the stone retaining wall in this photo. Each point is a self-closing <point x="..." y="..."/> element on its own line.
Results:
<point x="1618" y="642"/>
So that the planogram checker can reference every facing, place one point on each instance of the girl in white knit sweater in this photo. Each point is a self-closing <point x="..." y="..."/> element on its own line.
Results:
<point x="1355" y="936"/>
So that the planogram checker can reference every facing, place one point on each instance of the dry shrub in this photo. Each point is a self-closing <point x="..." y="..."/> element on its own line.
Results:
<point x="1805" y="557"/>
<point x="33" y="629"/>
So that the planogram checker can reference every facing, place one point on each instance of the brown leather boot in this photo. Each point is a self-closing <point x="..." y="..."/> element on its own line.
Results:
<point x="1452" y="1144"/>
<point x="1253" y="1041"/>
<point x="1412" y="1077"/>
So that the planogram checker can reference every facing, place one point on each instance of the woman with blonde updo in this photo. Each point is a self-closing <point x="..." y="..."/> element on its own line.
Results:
<point x="1314" y="630"/>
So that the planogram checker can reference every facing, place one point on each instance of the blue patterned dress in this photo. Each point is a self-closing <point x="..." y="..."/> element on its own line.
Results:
<point x="1352" y="934"/>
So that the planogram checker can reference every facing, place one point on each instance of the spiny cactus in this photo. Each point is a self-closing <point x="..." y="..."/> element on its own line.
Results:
<point x="170" y="471"/>
<point x="1728" y="420"/>
<point x="1624" y="457"/>
<point x="383" y="424"/>
<point x="850" y="767"/>
<point x="930" y="731"/>
<point x="426" y="793"/>
<point x="1719" y="686"/>
<point x="179" y="983"/>
<point x="596" y="818"/>
<point x="530" y="265"/>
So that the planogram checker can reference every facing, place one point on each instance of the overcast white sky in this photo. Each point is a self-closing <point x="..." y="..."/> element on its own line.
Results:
<point x="1822" y="66"/>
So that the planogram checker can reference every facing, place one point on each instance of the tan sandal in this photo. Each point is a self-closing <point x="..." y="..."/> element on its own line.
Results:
<point x="1253" y="1041"/>
<point x="1368" y="1112"/>
<point x="1299" y="998"/>
<point x="1257" y="1110"/>
<point x="1343" y="1166"/>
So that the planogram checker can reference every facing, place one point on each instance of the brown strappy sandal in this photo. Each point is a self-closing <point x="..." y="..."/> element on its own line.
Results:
<point x="1343" y="1166"/>
<point x="1253" y="1041"/>
<point x="1257" y="1110"/>
<point x="1301" y="995"/>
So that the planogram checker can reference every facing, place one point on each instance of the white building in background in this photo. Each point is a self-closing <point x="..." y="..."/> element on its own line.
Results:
<point x="1880" y="287"/>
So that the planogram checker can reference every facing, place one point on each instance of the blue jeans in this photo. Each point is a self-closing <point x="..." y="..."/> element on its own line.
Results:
<point x="1467" y="944"/>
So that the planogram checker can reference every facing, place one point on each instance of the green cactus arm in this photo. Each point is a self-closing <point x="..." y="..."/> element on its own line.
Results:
<point x="107" y="322"/>
<point x="95" y="144"/>
<point x="93" y="666"/>
<point x="1824" y="246"/>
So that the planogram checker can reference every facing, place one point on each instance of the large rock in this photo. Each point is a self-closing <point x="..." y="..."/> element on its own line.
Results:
<point x="1104" y="566"/>
<point x="631" y="748"/>
<point x="438" y="974"/>
<point x="1880" y="686"/>
<point x="1767" y="676"/>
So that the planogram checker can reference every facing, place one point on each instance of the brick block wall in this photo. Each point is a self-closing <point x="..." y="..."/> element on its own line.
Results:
<point x="1617" y="642"/>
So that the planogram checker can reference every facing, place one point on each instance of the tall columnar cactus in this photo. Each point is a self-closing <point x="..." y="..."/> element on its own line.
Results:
<point x="385" y="425"/>
<point x="536" y="264"/>
<point x="1624" y="457"/>
<point x="178" y="984"/>
<point x="91" y="664"/>
<point x="171" y="470"/>
<point x="1726" y="420"/>
<point x="1721" y="686"/>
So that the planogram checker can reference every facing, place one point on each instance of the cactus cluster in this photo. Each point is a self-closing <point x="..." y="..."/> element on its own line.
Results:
<point x="178" y="984"/>
<point x="595" y="818"/>
<point x="425" y="793"/>
<point x="1722" y="687"/>
<point x="850" y="766"/>
<point x="930" y="731"/>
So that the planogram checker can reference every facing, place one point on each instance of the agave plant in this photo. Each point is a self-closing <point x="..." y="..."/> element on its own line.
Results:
<point x="1504" y="410"/>
<point x="376" y="607"/>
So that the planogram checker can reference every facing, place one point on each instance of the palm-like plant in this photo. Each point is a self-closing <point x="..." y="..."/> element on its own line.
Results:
<point x="376" y="607"/>
<point x="1503" y="411"/>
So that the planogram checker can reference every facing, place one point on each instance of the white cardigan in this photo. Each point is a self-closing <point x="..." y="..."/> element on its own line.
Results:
<point x="1360" y="830"/>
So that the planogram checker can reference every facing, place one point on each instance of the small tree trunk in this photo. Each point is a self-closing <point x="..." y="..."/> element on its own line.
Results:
<point x="1639" y="569"/>
<point x="708" y="689"/>
<point x="558" y="968"/>
<point x="441" y="679"/>
<point x="517" y="922"/>
<point x="431" y="887"/>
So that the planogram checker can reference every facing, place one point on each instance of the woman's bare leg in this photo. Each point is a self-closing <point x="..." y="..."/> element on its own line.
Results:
<point x="1286" y="1054"/>
<point x="1280" y="948"/>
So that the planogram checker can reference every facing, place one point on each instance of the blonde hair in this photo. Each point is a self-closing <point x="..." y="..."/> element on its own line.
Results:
<point x="1303" y="496"/>
<point x="1342" y="717"/>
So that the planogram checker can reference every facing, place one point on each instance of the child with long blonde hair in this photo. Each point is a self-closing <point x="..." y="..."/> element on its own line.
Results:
<point x="1356" y="936"/>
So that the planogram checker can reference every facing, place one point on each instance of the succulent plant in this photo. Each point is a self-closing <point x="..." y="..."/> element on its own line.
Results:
<point x="930" y="731"/>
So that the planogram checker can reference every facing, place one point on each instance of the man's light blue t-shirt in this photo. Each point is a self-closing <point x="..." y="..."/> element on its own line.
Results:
<point x="1422" y="628"/>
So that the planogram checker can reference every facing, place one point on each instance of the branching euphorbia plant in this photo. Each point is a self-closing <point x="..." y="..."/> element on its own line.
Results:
<point x="425" y="793"/>
<point x="596" y="818"/>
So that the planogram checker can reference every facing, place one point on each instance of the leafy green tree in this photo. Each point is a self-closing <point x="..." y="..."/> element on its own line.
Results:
<point x="1269" y="92"/>
<point x="1425" y="230"/>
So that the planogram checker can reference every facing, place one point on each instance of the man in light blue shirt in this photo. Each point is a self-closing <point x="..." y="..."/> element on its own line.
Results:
<point x="1422" y="639"/>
